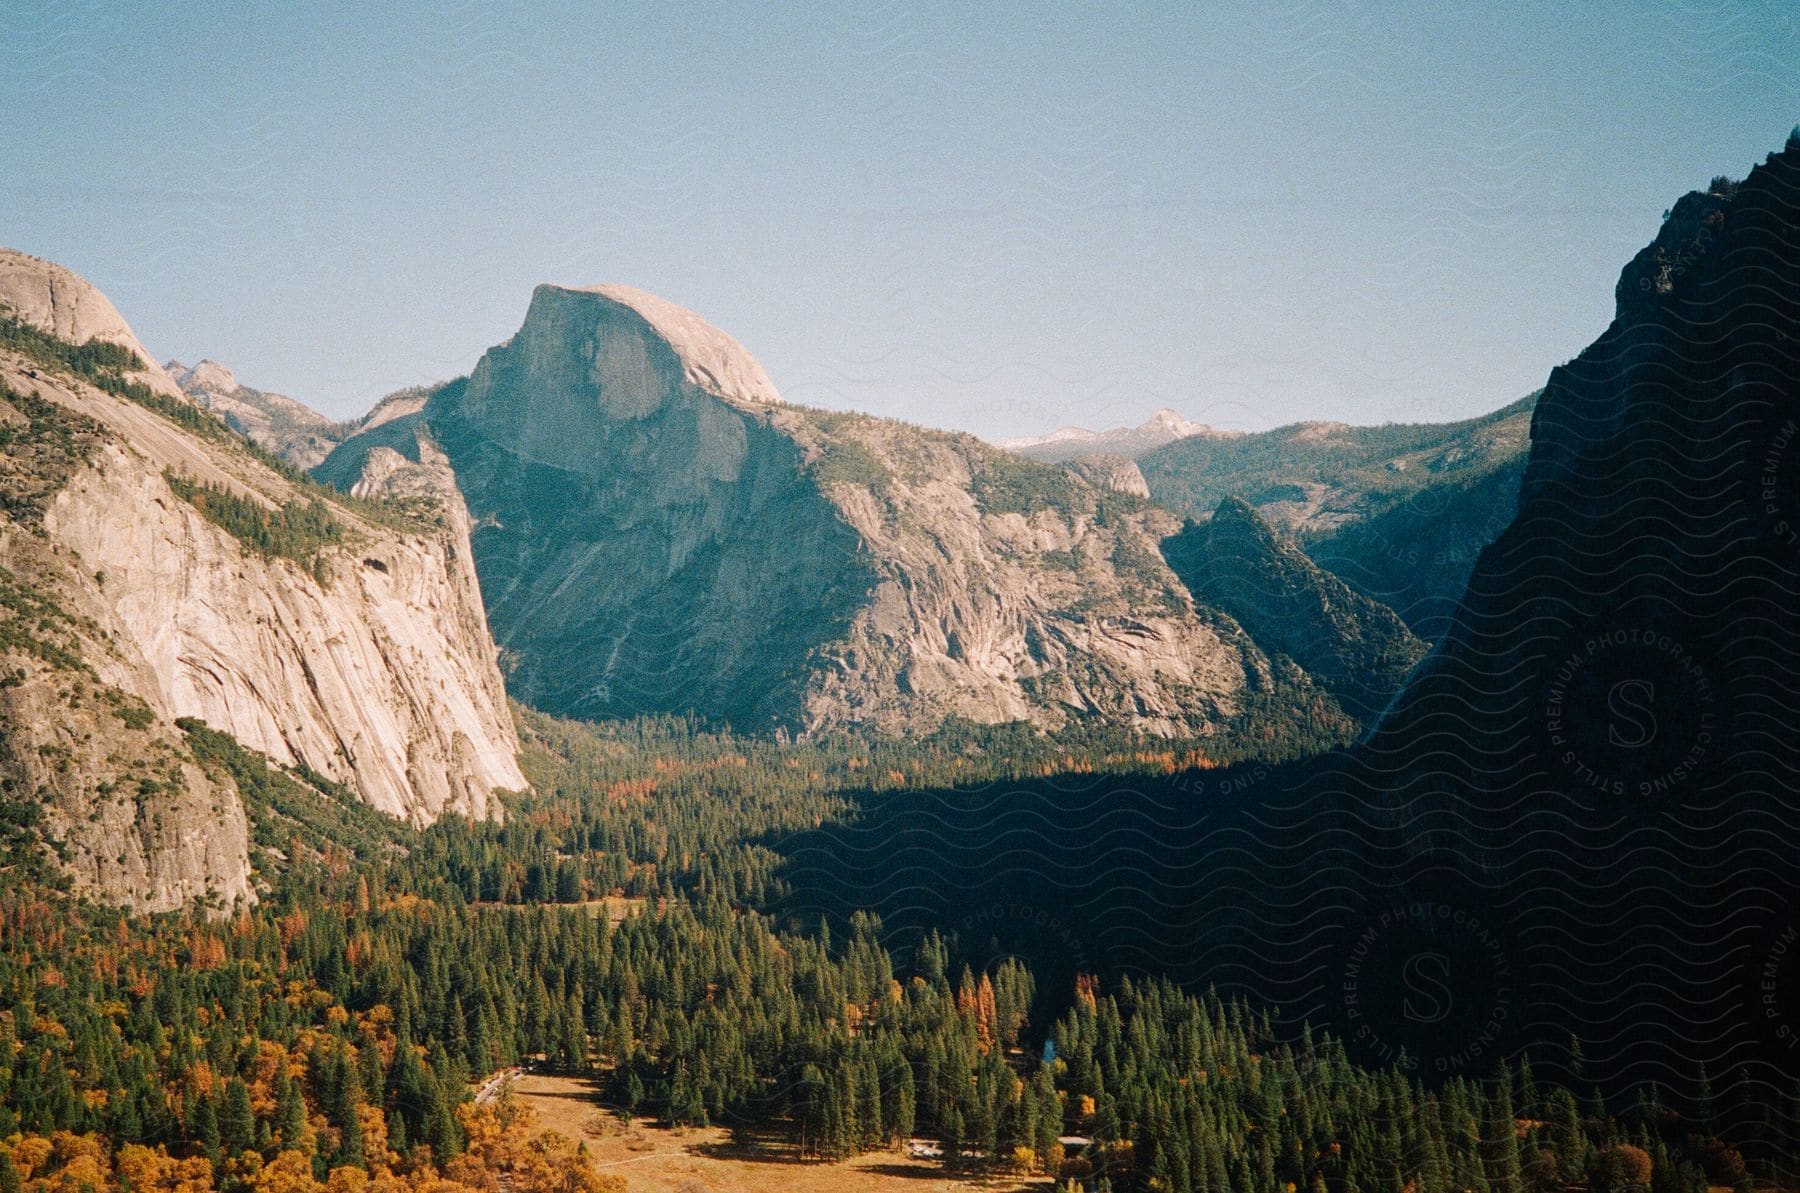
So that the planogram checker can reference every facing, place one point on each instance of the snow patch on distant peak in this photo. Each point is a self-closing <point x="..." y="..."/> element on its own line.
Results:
<point x="1066" y="443"/>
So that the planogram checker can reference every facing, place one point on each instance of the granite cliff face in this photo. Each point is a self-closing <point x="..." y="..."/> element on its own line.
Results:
<point x="45" y="295"/>
<point x="655" y="530"/>
<point x="159" y="570"/>
<point x="1117" y="473"/>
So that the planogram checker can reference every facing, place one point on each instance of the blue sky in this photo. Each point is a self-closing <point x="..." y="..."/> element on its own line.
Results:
<point x="950" y="213"/>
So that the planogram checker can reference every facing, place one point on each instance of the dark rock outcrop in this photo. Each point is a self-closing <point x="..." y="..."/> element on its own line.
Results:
<point x="1356" y="648"/>
<point x="1608" y="736"/>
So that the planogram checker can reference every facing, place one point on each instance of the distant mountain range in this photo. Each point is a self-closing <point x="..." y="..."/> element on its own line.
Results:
<point x="277" y="423"/>
<point x="1399" y="511"/>
<point x="1315" y="478"/>
<point x="1163" y="427"/>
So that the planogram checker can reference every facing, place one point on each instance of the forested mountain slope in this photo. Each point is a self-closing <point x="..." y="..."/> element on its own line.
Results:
<point x="333" y="1034"/>
<point x="1397" y="511"/>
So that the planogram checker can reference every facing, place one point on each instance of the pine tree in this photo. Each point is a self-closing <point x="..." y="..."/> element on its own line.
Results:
<point x="204" y="1128"/>
<point x="573" y="1045"/>
<point x="905" y="1102"/>
<point x="1434" y="1164"/>
<point x="459" y="1028"/>
<point x="810" y="1111"/>
<point x="350" y="1140"/>
<point x="396" y="1131"/>
<point x="870" y="1115"/>
<point x="442" y="1131"/>
<point x="1530" y="1105"/>
<point x="368" y="1069"/>
<point x="237" y="1121"/>
<point x="290" y="1112"/>
<point x="1048" y="1127"/>
<point x="631" y="1094"/>
<point x="841" y="1128"/>
<point x="950" y="1129"/>
<point x="1500" y="1135"/>
<point x="481" y="1046"/>
<point x="344" y="1098"/>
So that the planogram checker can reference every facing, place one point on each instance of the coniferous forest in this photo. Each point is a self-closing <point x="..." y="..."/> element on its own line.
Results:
<point x="334" y="1034"/>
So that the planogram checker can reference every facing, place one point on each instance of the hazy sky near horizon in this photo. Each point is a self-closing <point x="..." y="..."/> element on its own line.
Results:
<point x="962" y="215"/>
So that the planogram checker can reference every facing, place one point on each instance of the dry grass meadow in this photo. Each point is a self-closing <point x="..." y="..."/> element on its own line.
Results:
<point x="654" y="1159"/>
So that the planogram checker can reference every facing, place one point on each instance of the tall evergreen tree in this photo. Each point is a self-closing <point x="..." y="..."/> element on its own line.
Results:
<point x="237" y="1121"/>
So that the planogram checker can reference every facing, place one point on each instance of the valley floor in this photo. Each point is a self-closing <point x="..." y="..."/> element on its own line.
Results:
<point x="654" y="1159"/>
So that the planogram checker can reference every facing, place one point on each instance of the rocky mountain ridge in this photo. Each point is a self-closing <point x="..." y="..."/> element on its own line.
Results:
<point x="289" y="429"/>
<point x="657" y="531"/>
